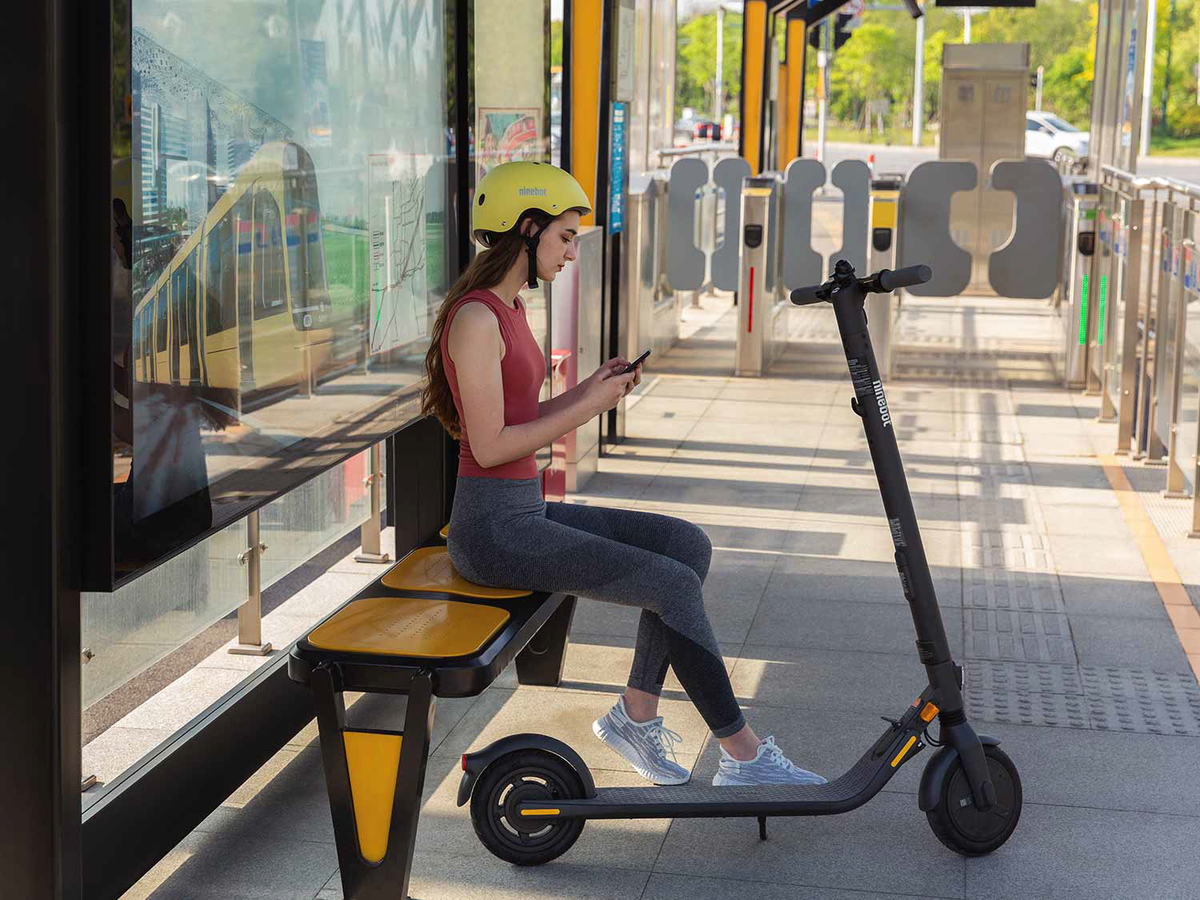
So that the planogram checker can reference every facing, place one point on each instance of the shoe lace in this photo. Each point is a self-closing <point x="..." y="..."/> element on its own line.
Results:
<point x="665" y="739"/>
<point x="772" y="751"/>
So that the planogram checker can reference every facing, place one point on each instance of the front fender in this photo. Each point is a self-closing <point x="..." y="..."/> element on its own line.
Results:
<point x="938" y="769"/>
<point x="475" y="764"/>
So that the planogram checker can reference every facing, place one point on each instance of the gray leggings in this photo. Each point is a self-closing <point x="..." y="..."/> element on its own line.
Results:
<point x="503" y="534"/>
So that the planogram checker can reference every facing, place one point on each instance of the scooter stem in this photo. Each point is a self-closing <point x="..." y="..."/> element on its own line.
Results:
<point x="870" y="403"/>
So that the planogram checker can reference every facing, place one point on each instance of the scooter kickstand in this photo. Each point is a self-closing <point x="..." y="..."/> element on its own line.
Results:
<point x="762" y="828"/>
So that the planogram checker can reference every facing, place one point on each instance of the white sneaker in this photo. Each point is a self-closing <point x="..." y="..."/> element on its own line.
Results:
<point x="769" y="766"/>
<point x="644" y="745"/>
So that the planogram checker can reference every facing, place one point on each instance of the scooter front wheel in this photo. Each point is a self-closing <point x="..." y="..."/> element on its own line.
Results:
<point x="521" y="777"/>
<point x="956" y="821"/>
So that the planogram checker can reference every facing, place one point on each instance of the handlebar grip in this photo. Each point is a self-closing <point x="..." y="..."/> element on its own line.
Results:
<point x="889" y="280"/>
<point x="805" y="296"/>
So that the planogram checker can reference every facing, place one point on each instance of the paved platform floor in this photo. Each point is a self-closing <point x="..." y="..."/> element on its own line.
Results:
<point x="1072" y="659"/>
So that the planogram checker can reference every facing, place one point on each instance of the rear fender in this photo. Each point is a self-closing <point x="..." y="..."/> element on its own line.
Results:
<point x="475" y="764"/>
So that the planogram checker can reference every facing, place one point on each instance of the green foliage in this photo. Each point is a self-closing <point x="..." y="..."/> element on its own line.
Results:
<point x="696" y="63"/>
<point x="556" y="43"/>
<point x="1176" y="40"/>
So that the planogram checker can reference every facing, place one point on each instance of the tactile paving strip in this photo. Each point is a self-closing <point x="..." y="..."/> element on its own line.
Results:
<point x="1020" y="636"/>
<point x="1015" y="708"/>
<point x="1113" y="682"/>
<point x="1013" y="591"/>
<point x="1067" y="696"/>
<point x="1147" y="715"/>
<point x="990" y="675"/>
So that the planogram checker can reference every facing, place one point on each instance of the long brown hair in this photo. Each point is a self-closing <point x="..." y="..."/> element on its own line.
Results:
<point x="486" y="270"/>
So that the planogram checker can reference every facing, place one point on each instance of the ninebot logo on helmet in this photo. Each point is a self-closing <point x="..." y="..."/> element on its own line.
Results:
<point x="532" y="192"/>
<point x="883" y="407"/>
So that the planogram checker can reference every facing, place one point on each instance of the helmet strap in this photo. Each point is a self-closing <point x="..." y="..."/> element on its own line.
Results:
<point x="531" y="244"/>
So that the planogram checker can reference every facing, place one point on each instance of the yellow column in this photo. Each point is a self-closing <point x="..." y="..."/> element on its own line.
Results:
<point x="587" y="20"/>
<point x="797" y="46"/>
<point x="754" y="51"/>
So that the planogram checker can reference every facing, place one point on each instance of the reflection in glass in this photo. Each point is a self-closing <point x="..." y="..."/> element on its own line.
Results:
<point x="286" y="189"/>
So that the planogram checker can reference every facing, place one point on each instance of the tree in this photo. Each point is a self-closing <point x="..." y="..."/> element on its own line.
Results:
<point x="696" y="66"/>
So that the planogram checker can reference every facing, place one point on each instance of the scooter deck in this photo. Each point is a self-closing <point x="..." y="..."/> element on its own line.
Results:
<point x="850" y="790"/>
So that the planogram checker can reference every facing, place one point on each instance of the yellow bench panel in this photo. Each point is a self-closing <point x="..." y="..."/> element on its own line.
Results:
<point x="374" y="761"/>
<point x="409" y="626"/>
<point x="430" y="569"/>
<point x="445" y="532"/>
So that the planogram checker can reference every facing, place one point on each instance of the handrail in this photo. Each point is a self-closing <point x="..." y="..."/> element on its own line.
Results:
<point x="697" y="148"/>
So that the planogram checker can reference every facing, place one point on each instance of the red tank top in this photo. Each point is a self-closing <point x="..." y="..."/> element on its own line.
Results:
<point x="523" y="371"/>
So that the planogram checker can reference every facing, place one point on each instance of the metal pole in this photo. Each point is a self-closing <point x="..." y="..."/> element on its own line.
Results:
<point x="720" y="88"/>
<point x="372" y="552"/>
<point x="250" y="642"/>
<point x="1037" y="105"/>
<point x="918" y="124"/>
<point x="1148" y="81"/>
<point x="967" y="27"/>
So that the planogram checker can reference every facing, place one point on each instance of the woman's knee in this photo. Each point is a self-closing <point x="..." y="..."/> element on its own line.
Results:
<point x="697" y="548"/>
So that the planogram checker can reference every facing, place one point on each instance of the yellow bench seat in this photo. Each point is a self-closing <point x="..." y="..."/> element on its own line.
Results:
<point x="409" y="626"/>
<point x="429" y="569"/>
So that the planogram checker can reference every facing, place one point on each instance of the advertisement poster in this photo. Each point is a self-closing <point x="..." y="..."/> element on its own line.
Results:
<point x="1127" y="104"/>
<point x="616" y="212"/>
<point x="505" y="135"/>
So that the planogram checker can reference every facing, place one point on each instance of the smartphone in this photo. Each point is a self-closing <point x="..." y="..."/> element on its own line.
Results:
<point x="637" y="362"/>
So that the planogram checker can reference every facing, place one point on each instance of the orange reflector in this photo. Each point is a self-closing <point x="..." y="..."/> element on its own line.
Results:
<point x="539" y="812"/>
<point x="929" y="712"/>
<point x="464" y="762"/>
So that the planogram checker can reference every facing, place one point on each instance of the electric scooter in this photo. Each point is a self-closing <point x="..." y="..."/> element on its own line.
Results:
<point x="530" y="794"/>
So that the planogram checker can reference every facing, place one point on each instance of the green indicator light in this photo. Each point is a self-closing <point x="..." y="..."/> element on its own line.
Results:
<point x="1103" y="304"/>
<point x="1083" y="313"/>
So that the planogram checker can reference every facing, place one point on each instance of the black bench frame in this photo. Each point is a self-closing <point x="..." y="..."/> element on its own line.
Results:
<point x="536" y="635"/>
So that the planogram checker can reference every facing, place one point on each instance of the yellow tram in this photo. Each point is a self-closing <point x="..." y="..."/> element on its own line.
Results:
<point x="244" y="304"/>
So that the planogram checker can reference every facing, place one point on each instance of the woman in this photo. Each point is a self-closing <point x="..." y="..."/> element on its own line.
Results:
<point x="485" y="371"/>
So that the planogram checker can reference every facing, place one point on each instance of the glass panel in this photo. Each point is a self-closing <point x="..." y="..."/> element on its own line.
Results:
<point x="511" y="104"/>
<point x="297" y="527"/>
<point x="556" y="80"/>
<point x="292" y="160"/>
<point x="154" y="650"/>
<point x="129" y="630"/>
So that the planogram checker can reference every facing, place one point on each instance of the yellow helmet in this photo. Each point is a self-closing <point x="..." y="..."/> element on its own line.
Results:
<point x="511" y="188"/>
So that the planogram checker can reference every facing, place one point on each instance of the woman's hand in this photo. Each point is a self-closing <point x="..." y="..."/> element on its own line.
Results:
<point x="605" y="387"/>
<point x="614" y="366"/>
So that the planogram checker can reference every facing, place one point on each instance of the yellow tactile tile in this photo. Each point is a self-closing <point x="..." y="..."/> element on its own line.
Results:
<point x="1163" y="573"/>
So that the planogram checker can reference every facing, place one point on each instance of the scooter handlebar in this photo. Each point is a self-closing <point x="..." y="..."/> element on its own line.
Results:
<point x="890" y="279"/>
<point x="814" y="293"/>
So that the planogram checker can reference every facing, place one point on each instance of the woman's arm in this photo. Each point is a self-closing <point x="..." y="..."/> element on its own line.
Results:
<point x="474" y="344"/>
<point x="563" y="400"/>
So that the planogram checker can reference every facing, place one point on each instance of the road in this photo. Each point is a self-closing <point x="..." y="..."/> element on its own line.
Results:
<point x="898" y="158"/>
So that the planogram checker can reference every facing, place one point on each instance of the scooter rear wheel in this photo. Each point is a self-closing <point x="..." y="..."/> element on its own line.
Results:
<point x="964" y="829"/>
<point x="521" y="777"/>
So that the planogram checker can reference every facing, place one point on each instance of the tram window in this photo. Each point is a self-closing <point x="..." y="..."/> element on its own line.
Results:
<point x="192" y="270"/>
<point x="270" y="297"/>
<point x="160" y="343"/>
<point x="178" y="298"/>
<point x="148" y="341"/>
<point x="244" y="244"/>
<point x="306" y="262"/>
<point x="135" y="352"/>
<point x="219" y="285"/>
<point x="212" y="282"/>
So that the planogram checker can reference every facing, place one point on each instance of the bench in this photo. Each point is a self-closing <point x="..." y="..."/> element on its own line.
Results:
<point x="422" y="631"/>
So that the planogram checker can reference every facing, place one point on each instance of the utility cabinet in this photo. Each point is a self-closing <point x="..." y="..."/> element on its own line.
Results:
<point x="985" y="94"/>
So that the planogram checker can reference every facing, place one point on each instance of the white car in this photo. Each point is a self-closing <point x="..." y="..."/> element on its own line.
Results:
<point x="1049" y="136"/>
